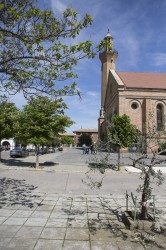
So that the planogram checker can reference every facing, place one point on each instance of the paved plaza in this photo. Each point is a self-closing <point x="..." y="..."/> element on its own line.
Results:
<point x="52" y="209"/>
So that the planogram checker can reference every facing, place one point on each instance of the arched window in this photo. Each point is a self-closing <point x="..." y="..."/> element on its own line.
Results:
<point x="159" y="116"/>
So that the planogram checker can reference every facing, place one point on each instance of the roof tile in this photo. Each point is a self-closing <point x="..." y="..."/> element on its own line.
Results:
<point x="143" y="80"/>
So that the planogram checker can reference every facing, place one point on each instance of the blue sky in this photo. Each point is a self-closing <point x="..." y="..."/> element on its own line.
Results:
<point x="139" y="31"/>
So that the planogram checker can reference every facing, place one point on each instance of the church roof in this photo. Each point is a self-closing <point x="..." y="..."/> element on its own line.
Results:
<point x="143" y="80"/>
<point x="86" y="131"/>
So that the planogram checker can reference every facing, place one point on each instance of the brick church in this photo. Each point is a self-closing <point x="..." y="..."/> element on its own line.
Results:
<point x="132" y="93"/>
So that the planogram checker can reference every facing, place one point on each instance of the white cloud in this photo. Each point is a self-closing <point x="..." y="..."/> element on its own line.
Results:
<point x="159" y="59"/>
<point x="58" y="6"/>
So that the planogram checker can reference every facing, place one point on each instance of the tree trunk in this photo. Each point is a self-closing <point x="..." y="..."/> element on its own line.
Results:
<point x="145" y="195"/>
<point x="118" y="158"/>
<point x="37" y="157"/>
<point x="0" y="154"/>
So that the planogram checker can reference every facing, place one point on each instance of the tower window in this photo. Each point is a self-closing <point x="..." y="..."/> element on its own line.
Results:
<point x="134" y="105"/>
<point x="159" y="116"/>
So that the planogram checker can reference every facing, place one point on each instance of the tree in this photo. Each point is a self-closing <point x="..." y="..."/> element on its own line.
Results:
<point x="145" y="159"/>
<point x="85" y="139"/>
<point x="8" y="113"/>
<point x="67" y="140"/>
<point x="38" y="50"/>
<point x="40" y="122"/>
<point x="121" y="133"/>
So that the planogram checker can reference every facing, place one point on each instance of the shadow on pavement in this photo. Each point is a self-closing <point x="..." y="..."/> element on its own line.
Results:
<point x="19" y="163"/>
<point x="16" y="192"/>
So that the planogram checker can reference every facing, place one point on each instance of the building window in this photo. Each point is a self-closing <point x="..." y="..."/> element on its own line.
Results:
<point x="134" y="105"/>
<point x="159" y="116"/>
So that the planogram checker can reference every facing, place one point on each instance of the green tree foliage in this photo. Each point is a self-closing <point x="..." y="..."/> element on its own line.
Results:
<point x="85" y="139"/>
<point x="40" y="122"/>
<point x="121" y="133"/>
<point x="38" y="49"/>
<point x="8" y="114"/>
<point x="67" y="140"/>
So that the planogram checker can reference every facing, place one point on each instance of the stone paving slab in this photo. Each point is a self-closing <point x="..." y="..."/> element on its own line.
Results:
<point x="91" y="222"/>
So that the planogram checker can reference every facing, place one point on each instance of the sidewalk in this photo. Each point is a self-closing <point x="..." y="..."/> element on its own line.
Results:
<point x="86" y="222"/>
<point x="32" y="218"/>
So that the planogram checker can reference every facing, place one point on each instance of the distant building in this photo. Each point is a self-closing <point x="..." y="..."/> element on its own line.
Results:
<point x="92" y="132"/>
<point x="8" y="144"/>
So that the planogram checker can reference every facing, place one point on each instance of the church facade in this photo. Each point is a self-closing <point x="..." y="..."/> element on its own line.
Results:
<point x="136" y="94"/>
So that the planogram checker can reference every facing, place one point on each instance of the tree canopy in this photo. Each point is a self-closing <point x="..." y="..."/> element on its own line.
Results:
<point x="40" y="121"/>
<point x="38" y="50"/>
<point x="121" y="132"/>
<point x="67" y="140"/>
<point x="85" y="139"/>
<point x="8" y="114"/>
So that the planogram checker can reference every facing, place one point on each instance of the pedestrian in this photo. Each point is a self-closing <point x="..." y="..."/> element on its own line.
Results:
<point x="92" y="149"/>
<point x="84" y="148"/>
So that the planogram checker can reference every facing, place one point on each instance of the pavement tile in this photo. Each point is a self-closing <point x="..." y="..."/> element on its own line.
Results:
<point x="51" y="198"/>
<point x="41" y="214"/>
<point x="63" y="203"/>
<point x="29" y="232"/>
<point x="36" y="201"/>
<point x="99" y="245"/>
<point x="79" y="204"/>
<point x="29" y="208"/>
<point x="15" y="221"/>
<point x="6" y="212"/>
<point x="21" y="244"/>
<point x="2" y="219"/>
<point x="96" y="223"/>
<point x="6" y="230"/>
<point x="96" y="209"/>
<point x="22" y="213"/>
<point x="36" y="222"/>
<point x="92" y="215"/>
<point x="78" y="216"/>
<point x="53" y="233"/>
<point x="58" y="215"/>
<point x="43" y="244"/>
<point x="127" y="245"/>
<point x="4" y="242"/>
<point x="78" y="199"/>
<point x="14" y="207"/>
<point x="45" y="207"/>
<point x="75" y="245"/>
<point x="101" y="234"/>
<point x="78" y="210"/>
<point x="60" y="208"/>
<point x="77" y="234"/>
<point x="77" y="223"/>
<point x="49" y="202"/>
<point x="56" y="222"/>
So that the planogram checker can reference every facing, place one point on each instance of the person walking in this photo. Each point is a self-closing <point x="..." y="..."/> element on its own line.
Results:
<point x="84" y="148"/>
<point x="92" y="149"/>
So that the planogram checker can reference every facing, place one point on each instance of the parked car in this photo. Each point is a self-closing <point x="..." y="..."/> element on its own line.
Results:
<point x="51" y="150"/>
<point x="60" y="148"/>
<point x="19" y="152"/>
<point x="42" y="151"/>
<point x="32" y="152"/>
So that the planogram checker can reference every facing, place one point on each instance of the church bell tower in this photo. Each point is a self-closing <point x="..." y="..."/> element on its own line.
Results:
<point x="108" y="58"/>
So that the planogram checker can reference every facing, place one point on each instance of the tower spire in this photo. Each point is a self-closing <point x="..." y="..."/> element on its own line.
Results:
<point x="108" y="58"/>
